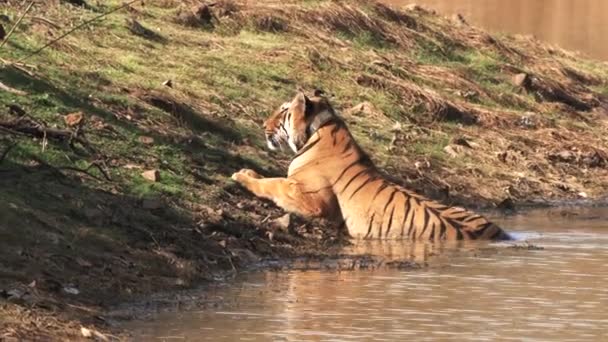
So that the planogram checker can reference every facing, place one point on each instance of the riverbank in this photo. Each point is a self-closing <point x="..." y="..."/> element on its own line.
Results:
<point x="117" y="143"/>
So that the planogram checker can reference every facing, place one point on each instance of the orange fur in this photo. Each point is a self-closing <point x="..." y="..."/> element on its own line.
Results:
<point x="332" y="177"/>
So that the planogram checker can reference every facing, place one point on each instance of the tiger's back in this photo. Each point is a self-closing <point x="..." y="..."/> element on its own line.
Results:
<point x="374" y="207"/>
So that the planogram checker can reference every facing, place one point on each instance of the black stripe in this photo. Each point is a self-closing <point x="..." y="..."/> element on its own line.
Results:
<point x="371" y="222"/>
<point x="390" y="200"/>
<point x="352" y="179"/>
<point x="347" y="146"/>
<point x="306" y="148"/>
<point x="406" y="213"/>
<point x="426" y="222"/>
<point x="345" y="170"/>
<point x="471" y="218"/>
<point x="369" y="180"/>
<point x="390" y="222"/>
<point x="382" y="186"/>
<point x="412" y="223"/>
<point x="442" y="229"/>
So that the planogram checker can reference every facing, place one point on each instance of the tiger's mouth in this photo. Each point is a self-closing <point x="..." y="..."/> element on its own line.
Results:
<point x="273" y="143"/>
<point x="277" y="140"/>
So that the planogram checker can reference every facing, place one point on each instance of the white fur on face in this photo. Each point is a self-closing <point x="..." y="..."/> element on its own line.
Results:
<point x="292" y="145"/>
<point x="282" y="135"/>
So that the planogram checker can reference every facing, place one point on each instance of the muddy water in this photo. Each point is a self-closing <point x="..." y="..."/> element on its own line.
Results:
<point x="553" y="288"/>
<point x="573" y="24"/>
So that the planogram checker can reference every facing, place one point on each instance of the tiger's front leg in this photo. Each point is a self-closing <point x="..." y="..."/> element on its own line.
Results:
<point x="285" y="192"/>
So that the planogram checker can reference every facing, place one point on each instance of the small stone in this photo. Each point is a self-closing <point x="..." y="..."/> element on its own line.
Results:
<point x="459" y="18"/>
<point x="86" y="333"/>
<point x="582" y="194"/>
<point x="146" y="140"/>
<point x="74" y="119"/>
<point x="521" y="80"/>
<point x="222" y="243"/>
<point x="132" y="166"/>
<point x="413" y="8"/>
<point x="282" y="222"/>
<point x="506" y="204"/>
<point x="15" y="294"/>
<point x="151" y="175"/>
<point x="151" y="204"/>
<point x="462" y="141"/>
<point x="71" y="290"/>
<point x="397" y="127"/>
<point x="452" y="150"/>
<point x="168" y="83"/>
<point x="83" y="263"/>
<point x="92" y="213"/>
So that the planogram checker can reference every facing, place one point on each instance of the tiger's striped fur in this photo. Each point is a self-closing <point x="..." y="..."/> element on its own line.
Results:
<point x="332" y="177"/>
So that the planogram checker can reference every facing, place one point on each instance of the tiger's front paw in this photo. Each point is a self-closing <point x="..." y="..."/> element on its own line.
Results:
<point x="244" y="174"/>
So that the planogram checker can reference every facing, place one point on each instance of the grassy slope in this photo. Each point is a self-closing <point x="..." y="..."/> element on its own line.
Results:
<point x="426" y="83"/>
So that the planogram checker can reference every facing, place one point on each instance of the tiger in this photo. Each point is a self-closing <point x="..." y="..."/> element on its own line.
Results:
<point x="331" y="177"/>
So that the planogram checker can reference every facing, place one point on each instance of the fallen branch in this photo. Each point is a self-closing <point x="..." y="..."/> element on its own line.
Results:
<point x="29" y="127"/>
<point x="85" y="171"/>
<point x="12" y="90"/>
<point x="46" y="21"/>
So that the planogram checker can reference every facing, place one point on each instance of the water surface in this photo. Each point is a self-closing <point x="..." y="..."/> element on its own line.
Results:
<point x="553" y="290"/>
<point x="579" y="25"/>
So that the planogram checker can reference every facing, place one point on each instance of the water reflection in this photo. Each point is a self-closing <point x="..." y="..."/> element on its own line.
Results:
<point x="573" y="24"/>
<point x="469" y="292"/>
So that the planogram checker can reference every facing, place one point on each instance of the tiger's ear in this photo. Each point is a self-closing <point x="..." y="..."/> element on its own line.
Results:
<point x="298" y="105"/>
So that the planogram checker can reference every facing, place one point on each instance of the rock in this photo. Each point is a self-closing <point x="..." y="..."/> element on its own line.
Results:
<point x="83" y="263"/>
<point x="462" y="141"/>
<point x="168" y="83"/>
<point x="152" y="203"/>
<point x="527" y="121"/>
<point x="364" y="109"/>
<point x="453" y="150"/>
<point x="414" y="8"/>
<point x="74" y="119"/>
<point x="506" y="204"/>
<point x="582" y="194"/>
<point x="146" y="140"/>
<point x="459" y="18"/>
<point x="71" y="290"/>
<point x="563" y="157"/>
<point x="92" y="213"/>
<point x="397" y="127"/>
<point x="16" y="110"/>
<point x="282" y="222"/>
<point x="151" y="175"/>
<point x="14" y="294"/>
<point x="203" y="13"/>
<point x="86" y="333"/>
<point x="522" y="80"/>
<point x="132" y="166"/>
<point x="199" y="15"/>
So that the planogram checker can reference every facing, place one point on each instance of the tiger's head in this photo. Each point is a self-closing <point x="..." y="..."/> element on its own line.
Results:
<point x="294" y="122"/>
